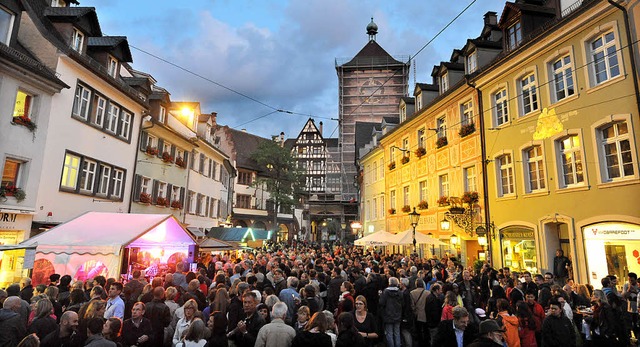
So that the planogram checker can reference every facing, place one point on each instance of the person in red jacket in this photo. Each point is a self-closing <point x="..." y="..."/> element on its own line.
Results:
<point x="528" y="325"/>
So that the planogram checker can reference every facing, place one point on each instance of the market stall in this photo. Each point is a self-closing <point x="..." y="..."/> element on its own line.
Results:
<point x="111" y="244"/>
<point x="379" y="238"/>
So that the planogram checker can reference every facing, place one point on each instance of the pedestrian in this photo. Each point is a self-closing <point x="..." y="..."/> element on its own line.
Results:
<point x="391" y="305"/>
<point x="561" y="265"/>
<point x="194" y="337"/>
<point x="12" y="327"/>
<point x="490" y="335"/>
<point x="509" y="323"/>
<point x="137" y="330"/>
<point x="528" y="325"/>
<point x="246" y="331"/>
<point x="115" y="304"/>
<point x="64" y="335"/>
<point x="557" y="330"/>
<point x="348" y="336"/>
<point x="313" y="334"/>
<point x="218" y="325"/>
<point x="159" y="315"/>
<point x="418" y="301"/>
<point x="43" y="324"/>
<point x="277" y="333"/>
<point x="94" y="333"/>
<point x="449" y="330"/>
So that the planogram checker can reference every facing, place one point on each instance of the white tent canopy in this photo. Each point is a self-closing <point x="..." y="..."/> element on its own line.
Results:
<point x="379" y="238"/>
<point x="101" y="237"/>
<point x="406" y="238"/>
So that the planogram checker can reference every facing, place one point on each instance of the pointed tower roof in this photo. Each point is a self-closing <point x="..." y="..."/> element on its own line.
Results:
<point x="372" y="54"/>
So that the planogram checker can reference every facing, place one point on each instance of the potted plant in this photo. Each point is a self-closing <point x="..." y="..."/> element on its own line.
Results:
<point x="25" y="121"/>
<point x="392" y="165"/>
<point x="423" y="205"/>
<point x="145" y="198"/>
<point x="392" y="211"/>
<point x="404" y="160"/>
<point x="420" y="152"/>
<point x="180" y="162"/>
<point x="443" y="201"/>
<point x="11" y="190"/>
<point x="470" y="197"/>
<point x="175" y="204"/>
<point x="467" y="129"/>
<point x="406" y="208"/>
<point x="151" y="150"/>
<point x="166" y="157"/>
<point x="441" y="142"/>
<point x="160" y="201"/>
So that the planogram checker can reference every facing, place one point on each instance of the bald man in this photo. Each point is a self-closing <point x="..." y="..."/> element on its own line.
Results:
<point x="12" y="328"/>
<point x="63" y="335"/>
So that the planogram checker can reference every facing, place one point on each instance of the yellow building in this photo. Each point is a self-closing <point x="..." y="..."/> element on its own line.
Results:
<point x="561" y="118"/>
<point x="373" y="191"/>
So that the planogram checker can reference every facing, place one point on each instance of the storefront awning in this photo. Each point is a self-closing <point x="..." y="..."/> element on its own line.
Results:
<point x="214" y="244"/>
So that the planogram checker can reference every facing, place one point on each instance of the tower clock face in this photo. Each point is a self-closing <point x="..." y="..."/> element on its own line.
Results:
<point x="371" y="91"/>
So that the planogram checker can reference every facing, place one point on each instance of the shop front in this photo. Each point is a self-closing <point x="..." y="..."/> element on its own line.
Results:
<point x="518" y="249"/>
<point x="612" y="248"/>
<point x="14" y="227"/>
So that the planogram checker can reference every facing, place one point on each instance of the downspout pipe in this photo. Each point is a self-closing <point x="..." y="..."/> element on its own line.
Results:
<point x="631" y="44"/>
<point x="145" y="118"/>
<point x="485" y="178"/>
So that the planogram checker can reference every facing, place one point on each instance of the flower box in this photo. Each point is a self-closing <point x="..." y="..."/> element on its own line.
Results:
<point x="423" y="205"/>
<point x="467" y="129"/>
<point x="420" y="152"/>
<point x="151" y="150"/>
<point x="406" y="208"/>
<point x="470" y="197"/>
<point x="160" y="201"/>
<point x="392" y="165"/>
<point x="176" y="204"/>
<point x="11" y="190"/>
<point x="456" y="210"/>
<point x="443" y="201"/>
<point x="25" y="121"/>
<point x="180" y="162"/>
<point x="166" y="157"/>
<point x="392" y="211"/>
<point x="441" y="142"/>
<point x="145" y="198"/>
<point x="404" y="160"/>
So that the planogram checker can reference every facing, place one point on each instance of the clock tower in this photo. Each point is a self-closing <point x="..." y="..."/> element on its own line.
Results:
<point x="371" y="85"/>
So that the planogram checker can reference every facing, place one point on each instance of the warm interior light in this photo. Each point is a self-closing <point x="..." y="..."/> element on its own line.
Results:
<point x="445" y="224"/>
<point x="482" y="240"/>
<point x="454" y="239"/>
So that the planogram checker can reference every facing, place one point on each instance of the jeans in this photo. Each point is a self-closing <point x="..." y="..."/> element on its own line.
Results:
<point x="392" y="333"/>
<point x="407" y="339"/>
<point x="432" y="333"/>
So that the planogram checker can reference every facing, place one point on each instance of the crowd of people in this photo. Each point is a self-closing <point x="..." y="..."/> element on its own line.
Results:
<point x="328" y="295"/>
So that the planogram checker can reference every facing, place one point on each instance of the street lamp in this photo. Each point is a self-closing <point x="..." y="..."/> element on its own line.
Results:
<point x="445" y="224"/>
<point x="482" y="236"/>
<point x="455" y="241"/>
<point x="355" y="226"/>
<point x="414" y="218"/>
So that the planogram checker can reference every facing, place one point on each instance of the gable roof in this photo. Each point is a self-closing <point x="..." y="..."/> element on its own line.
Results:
<point x="372" y="54"/>
<point x="118" y="46"/>
<point x="84" y="18"/>
<point x="245" y="144"/>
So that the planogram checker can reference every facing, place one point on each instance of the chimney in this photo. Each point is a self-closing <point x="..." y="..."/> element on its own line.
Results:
<point x="214" y="119"/>
<point x="282" y="139"/>
<point x="490" y="18"/>
<point x="320" y="129"/>
<point x="244" y="130"/>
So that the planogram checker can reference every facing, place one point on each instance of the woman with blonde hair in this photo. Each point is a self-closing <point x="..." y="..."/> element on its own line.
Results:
<point x="95" y="308"/>
<point x="43" y="323"/>
<point x="190" y="313"/>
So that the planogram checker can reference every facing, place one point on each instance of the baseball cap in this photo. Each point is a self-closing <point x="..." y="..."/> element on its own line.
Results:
<point x="489" y="326"/>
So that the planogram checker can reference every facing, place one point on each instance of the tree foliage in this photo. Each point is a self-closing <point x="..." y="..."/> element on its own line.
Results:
<point x="280" y="177"/>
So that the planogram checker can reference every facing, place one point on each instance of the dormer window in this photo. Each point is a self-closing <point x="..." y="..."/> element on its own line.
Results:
<point x="444" y="82"/>
<point x="163" y="114"/>
<point x="514" y="35"/>
<point x="112" y="68"/>
<point x="403" y="113"/>
<point x="6" y="24"/>
<point x="472" y="62"/>
<point x="77" y="40"/>
<point x="419" y="101"/>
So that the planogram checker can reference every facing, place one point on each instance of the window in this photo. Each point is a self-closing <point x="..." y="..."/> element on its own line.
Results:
<point x="145" y="185"/>
<point x="443" y="180"/>
<point x="243" y="201"/>
<point x="213" y="210"/>
<point x="175" y="193"/>
<point x="441" y="125"/>
<point x="562" y="78"/>
<point x="374" y="171"/>
<point x="403" y="113"/>
<point x="118" y="179"/>
<point x="11" y="172"/>
<point x="163" y="114"/>
<point x="77" y="40"/>
<point x="616" y="150"/>
<point x="245" y="178"/>
<point x="381" y="168"/>
<point x="162" y="190"/>
<point x="424" y="191"/>
<point x="534" y="168"/>
<point x="505" y="175"/>
<point x="317" y="166"/>
<point x="152" y="141"/>
<point x="179" y="154"/>
<point x="112" y="67"/>
<point x="100" y="105"/>
<point x="126" y="124"/>
<point x="500" y="107"/>
<point x="166" y="147"/>
<point x="405" y="145"/>
<point x="392" y="151"/>
<point x="105" y="180"/>
<point x="70" y="171"/>
<point x="472" y="62"/>
<point x="202" y="211"/>
<point x="405" y="196"/>
<point x="528" y="94"/>
<point x="392" y="199"/>
<point x="466" y="113"/>
<point x="81" y="102"/>
<point x="421" y="138"/>
<point x="604" y="58"/>
<point x="418" y="101"/>
<point x="192" y="202"/>
<point x="112" y="118"/>
<point x="571" y="166"/>
<point x="444" y="83"/>
<point x="381" y="211"/>
<point x="23" y="105"/>
<point x="469" y="175"/>
<point x="514" y="35"/>
<point x="6" y="24"/>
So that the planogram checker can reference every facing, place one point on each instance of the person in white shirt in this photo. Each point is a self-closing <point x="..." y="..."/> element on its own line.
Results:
<point x="115" y="304"/>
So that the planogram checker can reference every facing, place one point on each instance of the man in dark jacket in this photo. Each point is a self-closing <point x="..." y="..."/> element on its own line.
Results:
<point x="246" y="331"/>
<point x="26" y="289"/>
<point x="12" y="329"/>
<point x="433" y="309"/>
<point x="557" y="329"/>
<point x="159" y="315"/>
<point x="391" y="303"/>
<point x="65" y="335"/>
<point x="450" y="328"/>
<point x="333" y="290"/>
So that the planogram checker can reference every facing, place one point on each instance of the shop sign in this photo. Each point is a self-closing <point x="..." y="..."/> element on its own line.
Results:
<point x="8" y="221"/>
<point x="612" y="231"/>
<point x="517" y="234"/>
